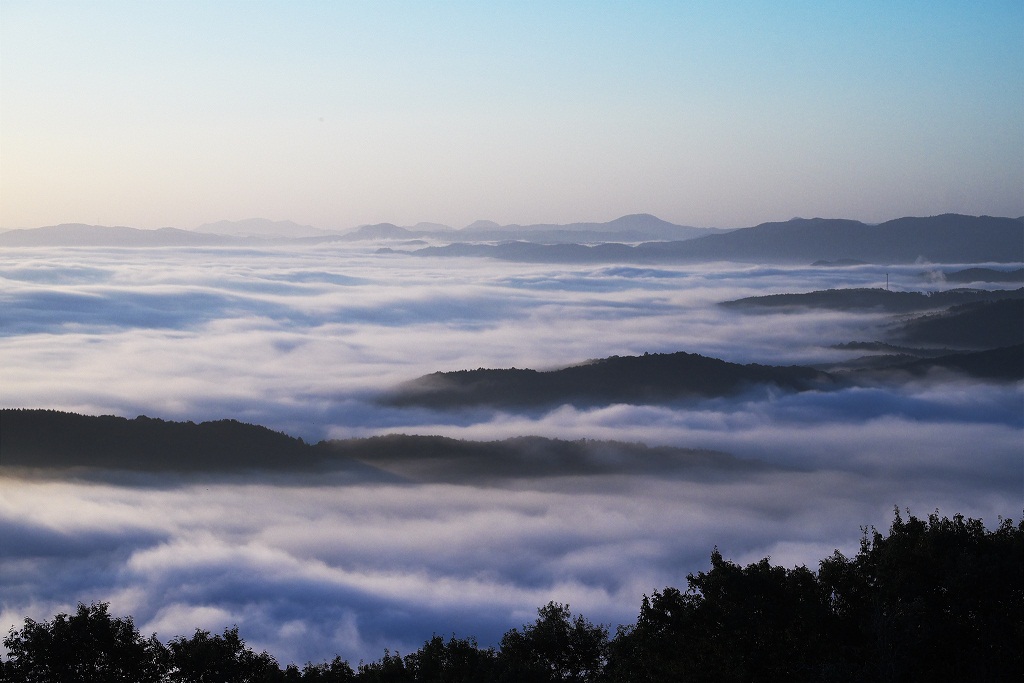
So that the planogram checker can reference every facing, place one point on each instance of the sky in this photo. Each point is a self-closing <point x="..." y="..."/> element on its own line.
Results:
<point x="306" y="339"/>
<point x="340" y="114"/>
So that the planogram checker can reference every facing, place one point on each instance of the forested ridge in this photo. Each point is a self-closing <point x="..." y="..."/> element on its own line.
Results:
<point x="937" y="599"/>
<point x="651" y="378"/>
<point x="55" y="440"/>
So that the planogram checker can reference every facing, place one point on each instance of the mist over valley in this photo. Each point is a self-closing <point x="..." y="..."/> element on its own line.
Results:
<point x="347" y="447"/>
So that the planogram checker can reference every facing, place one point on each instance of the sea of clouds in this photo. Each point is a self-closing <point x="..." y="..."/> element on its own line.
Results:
<point x="303" y="339"/>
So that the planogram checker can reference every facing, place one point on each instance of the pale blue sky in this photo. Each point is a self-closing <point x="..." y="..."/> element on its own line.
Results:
<point x="342" y="113"/>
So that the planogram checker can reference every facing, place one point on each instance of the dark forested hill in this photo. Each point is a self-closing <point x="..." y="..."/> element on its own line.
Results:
<point x="442" y="459"/>
<point x="980" y="325"/>
<point x="985" y="275"/>
<point x="1005" y="363"/>
<point x="873" y="298"/>
<point x="651" y="378"/>
<point x="49" y="439"/>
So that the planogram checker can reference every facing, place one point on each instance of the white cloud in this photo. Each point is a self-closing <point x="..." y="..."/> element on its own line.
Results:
<point x="303" y="339"/>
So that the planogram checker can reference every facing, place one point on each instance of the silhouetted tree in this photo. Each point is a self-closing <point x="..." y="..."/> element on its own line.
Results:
<point x="88" y="646"/>
<point x="206" y="658"/>
<point x="557" y="647"/>
<point x="459" y="660"/>
<point x="936" y="600"/>
<point x="337" y="671"/>
<point x="758" y="623"/>
<point x="388" y="669"/>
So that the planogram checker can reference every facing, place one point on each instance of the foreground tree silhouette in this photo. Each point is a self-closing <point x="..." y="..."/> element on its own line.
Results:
<point x="88" y="646"/>
<point x="206" y="658"/>
<point x="759" y="623"/>
<point x="936" y="600"/>
<point x="557" y="647"/>
<point x="459" y="660"/>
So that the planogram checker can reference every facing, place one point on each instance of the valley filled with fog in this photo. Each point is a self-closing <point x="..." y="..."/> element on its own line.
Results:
<point x="309" y="339"/>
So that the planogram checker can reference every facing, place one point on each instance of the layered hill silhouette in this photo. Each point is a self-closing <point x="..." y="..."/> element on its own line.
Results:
<point x="637" y="238"/>
<point x="860" y="299"/>
<point x="949" y="238"/>
<point x="49" y="438"/>
<point x="442" y="459"/>
<point x="968" y="275"/>
<point x="54" y="440"/>
<point x="1005" y="363"/>
<point x="654" y="379"/>
<point x="979" y="325"/>
<point x="631" y="228"/>
<point x="959" y="319"/>
<point x="82" y="235"/>
<point x="651" y="378"/>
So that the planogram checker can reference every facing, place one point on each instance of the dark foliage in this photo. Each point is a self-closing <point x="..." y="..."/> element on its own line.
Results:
<point x="208" y="658"/>
<point x="557" y="647"/>
<point x="936" y="600"/>
<point x="89" y="646"/>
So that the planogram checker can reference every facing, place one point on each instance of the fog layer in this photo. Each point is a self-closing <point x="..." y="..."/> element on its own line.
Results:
<point x="305" y="340"/>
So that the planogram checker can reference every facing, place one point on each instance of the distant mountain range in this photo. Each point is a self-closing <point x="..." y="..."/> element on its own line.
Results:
<point x="638" y="238"/>
<point x="261" y="227"/>
<point x="81" y="235"/>
<point x="633" y="228"/>
<point x="949" y="238"/>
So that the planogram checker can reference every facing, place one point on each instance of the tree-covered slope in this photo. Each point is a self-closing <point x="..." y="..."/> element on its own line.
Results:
<point x="651" y="378"/>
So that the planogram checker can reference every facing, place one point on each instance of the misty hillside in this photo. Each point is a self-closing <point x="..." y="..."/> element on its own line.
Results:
<point x="979" y="325"/>
<point x="651" y="378"/>
<point x="49" y="439"/>
<point x="949" y="238"/>
<point x="1004" y="364"/>
<point x="852" y="299"/>
<point x="442" y="459"/>
<point x="968" y="275"/>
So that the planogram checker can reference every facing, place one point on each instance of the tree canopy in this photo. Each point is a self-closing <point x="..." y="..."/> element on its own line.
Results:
<point x="937" y="599"/>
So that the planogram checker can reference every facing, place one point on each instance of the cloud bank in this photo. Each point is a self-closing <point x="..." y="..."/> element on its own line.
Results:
<point x="303" y="340"/>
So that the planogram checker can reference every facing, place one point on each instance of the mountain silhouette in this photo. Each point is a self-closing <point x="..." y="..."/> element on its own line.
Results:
<point x="647" y="379"/>
<point x="41" y="440"/>
<point x="949" y="238"/>
<point x="853" y="299"/>
<point x="82" y="235"/>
